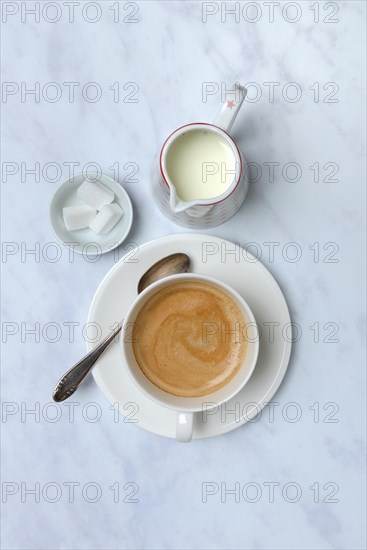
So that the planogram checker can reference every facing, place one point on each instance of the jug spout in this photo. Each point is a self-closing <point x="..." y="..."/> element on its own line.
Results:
<point x="193" y="209"/>
<point x="177" y="204"/>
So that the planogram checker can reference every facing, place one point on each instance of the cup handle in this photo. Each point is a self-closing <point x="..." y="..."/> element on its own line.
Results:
<point x="233" y="99"/>
<point x="184" y="424"/>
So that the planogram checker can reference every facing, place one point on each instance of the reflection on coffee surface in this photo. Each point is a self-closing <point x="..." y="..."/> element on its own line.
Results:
<point x="189" y="338"/>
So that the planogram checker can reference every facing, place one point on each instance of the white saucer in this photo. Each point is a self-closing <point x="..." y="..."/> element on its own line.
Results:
<point x="242" y="272"/>
<point x="85" y="241"/>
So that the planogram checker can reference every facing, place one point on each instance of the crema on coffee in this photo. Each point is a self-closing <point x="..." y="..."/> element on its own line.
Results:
<point x="189" y="338"/>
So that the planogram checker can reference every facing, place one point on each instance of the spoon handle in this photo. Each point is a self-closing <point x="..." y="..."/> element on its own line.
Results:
<point x="71" y="380"/>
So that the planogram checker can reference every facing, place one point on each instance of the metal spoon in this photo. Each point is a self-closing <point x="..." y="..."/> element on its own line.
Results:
<point x="71" y="380"/>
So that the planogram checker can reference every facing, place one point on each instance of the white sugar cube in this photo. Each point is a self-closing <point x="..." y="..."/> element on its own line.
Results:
<point x="78" y="217"/>
<point x="106" y="219"/>
<point x="95" y="194"/>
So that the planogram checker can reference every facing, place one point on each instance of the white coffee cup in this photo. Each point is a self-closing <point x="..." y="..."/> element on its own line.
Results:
<point x="186" y="407"/>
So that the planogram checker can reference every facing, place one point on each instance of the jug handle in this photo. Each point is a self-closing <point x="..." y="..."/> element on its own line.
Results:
<point x="233" y="99"/>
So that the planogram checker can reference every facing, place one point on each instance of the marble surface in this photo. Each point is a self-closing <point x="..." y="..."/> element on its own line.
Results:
<point x="133" y="489"/>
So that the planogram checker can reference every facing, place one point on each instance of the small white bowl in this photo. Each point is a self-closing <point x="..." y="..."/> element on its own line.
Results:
<point x="85" y="241"/>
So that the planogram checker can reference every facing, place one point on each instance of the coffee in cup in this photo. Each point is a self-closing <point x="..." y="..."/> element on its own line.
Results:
<point x="189" y="338"/>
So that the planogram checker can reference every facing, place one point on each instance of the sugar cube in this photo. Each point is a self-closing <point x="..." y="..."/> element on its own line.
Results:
<point x="78" y="217"/>
<point x="106" y="219"/>
<point x="95" y="194"/>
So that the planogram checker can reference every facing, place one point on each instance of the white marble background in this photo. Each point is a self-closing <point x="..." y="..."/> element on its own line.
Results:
<point x="169" y="53"/>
